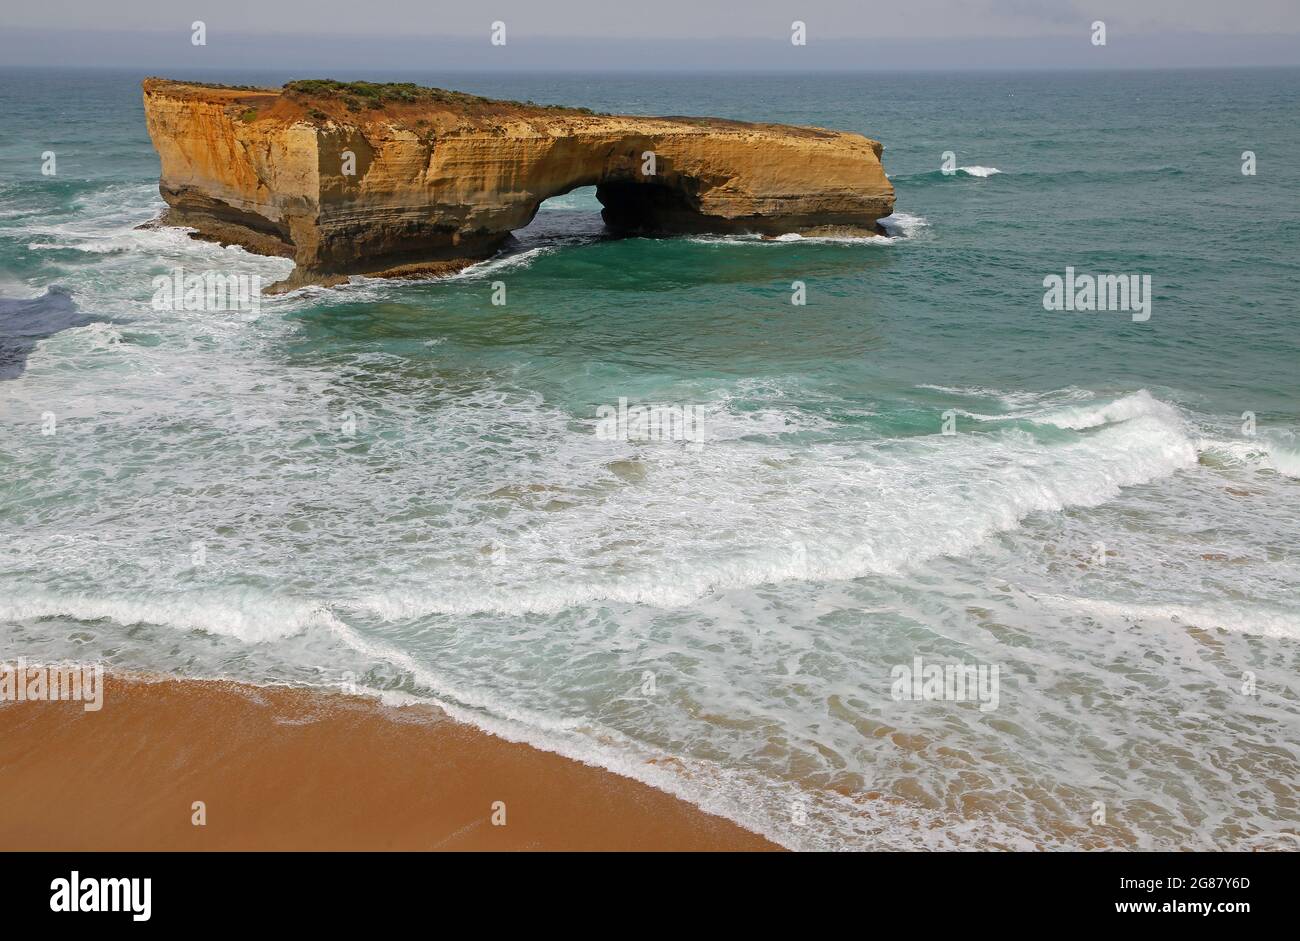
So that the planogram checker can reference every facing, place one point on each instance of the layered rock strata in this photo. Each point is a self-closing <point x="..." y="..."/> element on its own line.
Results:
<point x="357" y="178"/>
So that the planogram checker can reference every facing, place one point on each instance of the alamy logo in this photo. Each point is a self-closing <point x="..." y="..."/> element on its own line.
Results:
<point x="75" y="894"/>
<point x="1122" y="292"/>
<point x="650" y="422"/>
<point x="75" y="682"/>
<point x="209" y="291"/>
<point x="951" y="682"/>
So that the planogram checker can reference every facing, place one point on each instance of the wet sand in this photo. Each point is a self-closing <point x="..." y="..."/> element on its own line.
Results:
<point x="292" y="769"/>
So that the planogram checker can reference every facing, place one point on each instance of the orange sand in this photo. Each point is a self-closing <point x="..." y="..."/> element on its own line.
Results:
<point x="292" y="769"/>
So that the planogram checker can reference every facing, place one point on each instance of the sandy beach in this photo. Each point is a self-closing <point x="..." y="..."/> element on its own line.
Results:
<point x="294" y="769"/>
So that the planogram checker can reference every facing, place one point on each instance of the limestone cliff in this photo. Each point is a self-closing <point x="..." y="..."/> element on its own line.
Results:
<point x="440" y="178"/>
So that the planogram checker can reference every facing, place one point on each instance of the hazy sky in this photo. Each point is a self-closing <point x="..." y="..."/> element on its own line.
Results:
<point x="829" y="19"/>
<point x="669" y="34"/>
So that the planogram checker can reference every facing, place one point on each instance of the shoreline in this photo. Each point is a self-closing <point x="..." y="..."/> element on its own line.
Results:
<point x="290" y="768"/>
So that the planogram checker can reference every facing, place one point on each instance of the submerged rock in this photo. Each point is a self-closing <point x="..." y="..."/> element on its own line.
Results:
<point x="25" y="321"/>
<point x="358" y="178"/>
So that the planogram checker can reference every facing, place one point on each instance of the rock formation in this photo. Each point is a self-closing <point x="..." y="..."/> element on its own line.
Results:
<point x="357" y="178"/>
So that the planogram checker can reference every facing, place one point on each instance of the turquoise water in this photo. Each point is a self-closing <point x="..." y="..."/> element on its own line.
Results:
<point x="399" y="487"/>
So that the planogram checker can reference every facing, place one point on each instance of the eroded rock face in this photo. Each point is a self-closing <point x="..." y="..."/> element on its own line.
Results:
<point x="441" y="179"/>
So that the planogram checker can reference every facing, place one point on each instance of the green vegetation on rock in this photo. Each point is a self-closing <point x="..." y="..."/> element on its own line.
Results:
<point x="376" y="94"/>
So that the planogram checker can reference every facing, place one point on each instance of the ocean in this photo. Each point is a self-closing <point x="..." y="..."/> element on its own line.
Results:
<point x="399" y="488"/>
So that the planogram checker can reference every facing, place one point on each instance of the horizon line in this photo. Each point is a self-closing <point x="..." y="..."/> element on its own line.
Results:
<point x="460" y="70"/>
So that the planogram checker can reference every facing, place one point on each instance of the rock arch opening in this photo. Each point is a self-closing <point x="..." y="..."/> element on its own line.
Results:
<point x="614" y="208"/>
